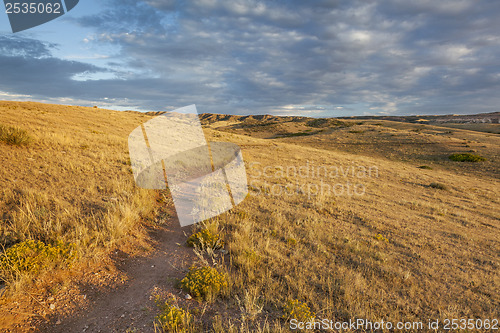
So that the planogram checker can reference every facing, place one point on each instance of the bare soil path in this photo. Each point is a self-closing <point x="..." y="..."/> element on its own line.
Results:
<point x="130" y="307"/>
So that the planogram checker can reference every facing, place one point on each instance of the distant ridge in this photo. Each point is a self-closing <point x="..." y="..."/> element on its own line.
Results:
<point x="209" y="118"/>
<point x="491" y="117"/>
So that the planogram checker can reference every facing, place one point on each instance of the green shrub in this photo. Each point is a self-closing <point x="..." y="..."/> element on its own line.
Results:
<point x="30" y="256"/>
<point x="14" y="136"/>
<point x="172" y="318"/>
<point x="204" y="282"/>
<point x="438" y="186"/>
<point x="291" y="135"/>
<point x="466" y="157"/>
<point x="205" y="239"/>
<point x="381" y="238"/>
<point x="295" y="309"/>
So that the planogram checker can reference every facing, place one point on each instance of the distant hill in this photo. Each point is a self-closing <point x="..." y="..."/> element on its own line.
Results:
<point x="491" y="118"/>
<point x="481" y="118"/>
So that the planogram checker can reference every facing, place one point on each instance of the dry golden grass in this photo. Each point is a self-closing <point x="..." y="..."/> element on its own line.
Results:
<point x="73" y="182"/>
<point x="403" y="251"/>
<point x="400" y="251"/>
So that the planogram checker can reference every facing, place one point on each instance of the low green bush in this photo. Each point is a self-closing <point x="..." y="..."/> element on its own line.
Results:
<point x="172" y="318"/>
<point x="466" y="157"/>
<point x="204" y="282"/>
<point x="295" y="309"/>
<point x="205" y="239"/>
<point x="30" y="256"/>
<point x="438" y="186"/>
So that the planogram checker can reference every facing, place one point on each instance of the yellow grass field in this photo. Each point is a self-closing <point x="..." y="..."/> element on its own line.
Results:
<point x="352" y="219"/>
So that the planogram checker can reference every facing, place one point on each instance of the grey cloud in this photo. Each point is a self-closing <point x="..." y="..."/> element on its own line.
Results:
<point x="24" y="47"/>
<point x="249" y="56"/>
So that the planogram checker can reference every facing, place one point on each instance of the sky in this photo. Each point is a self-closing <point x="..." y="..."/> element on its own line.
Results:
<point x="317" y="58"/>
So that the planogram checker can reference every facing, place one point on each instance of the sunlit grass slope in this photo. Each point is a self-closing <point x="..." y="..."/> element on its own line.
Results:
<point x="69" y="183"/>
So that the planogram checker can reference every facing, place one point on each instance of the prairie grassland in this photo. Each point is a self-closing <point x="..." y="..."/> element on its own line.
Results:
<point x="400" y="251"/>
<point x="341" y="218"/>
<point x="71" y="184"/>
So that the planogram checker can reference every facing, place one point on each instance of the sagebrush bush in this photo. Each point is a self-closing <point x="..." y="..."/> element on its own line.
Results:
<point x="205" y="239"/>
<point x="438" y="186"/>
<point x="204" y="282"/>
<point x="295" y="309"/>
<point x="172" y="318"/>
<point x="381" y="238"/>
<point x="30" y="256"/>
<point x="14" y="135"/>
<point x="466" y="157"/>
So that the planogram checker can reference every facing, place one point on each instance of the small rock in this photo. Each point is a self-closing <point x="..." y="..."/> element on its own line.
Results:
<point x="58" y="322"/>
<point x="188" y="296"/>
<point x="52" y="306"/>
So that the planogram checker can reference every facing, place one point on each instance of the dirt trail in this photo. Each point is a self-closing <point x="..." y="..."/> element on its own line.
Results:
<point x="129" y="307"/>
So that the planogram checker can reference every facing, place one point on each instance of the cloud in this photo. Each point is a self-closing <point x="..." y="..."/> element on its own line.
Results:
<point x="248" y="56"/>
<point x="24" y="47"/>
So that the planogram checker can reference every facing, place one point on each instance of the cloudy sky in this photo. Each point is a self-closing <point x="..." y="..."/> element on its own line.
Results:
<point x="314" y="58"/>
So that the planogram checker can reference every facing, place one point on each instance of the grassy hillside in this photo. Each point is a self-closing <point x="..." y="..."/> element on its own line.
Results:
<point x="350" y="219"/>
<point x="68" y="186"/>
<point x="417" y="243"/>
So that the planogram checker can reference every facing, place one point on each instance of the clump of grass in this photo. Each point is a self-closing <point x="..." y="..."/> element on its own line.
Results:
<point x="171" y="317"/>
<point x="290" y="135"/>
<point x="30" y="256"/>
<point x="295" y="309"/>
<point x="438" y="186"/>
<point x="466" y="157"/>
<point x="14" y="136"/>
<point x="204" y="282"/>
<point x="205" y="239"/>
<point x="425" y="167"/>
<point x="291" y="241"/>
<point x="381" y="238"/>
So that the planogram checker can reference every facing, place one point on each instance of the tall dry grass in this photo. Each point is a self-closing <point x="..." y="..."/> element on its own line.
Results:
<point x="403" y="251"/>
<point x="72" y="183"/>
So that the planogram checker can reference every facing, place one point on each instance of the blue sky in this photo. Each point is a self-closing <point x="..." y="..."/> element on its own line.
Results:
<point x="316" y="58"/>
